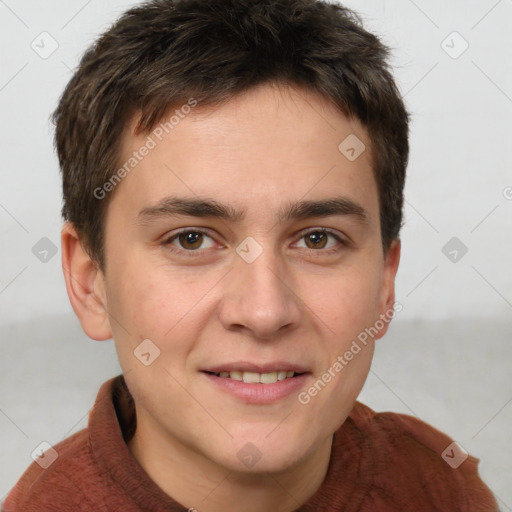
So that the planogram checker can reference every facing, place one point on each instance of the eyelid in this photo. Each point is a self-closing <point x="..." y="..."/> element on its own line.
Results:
<point x="204" y="231"/>
<point x="191" y="229"/>
<point x="167" y="240"/>
<point x="343" y="240"/>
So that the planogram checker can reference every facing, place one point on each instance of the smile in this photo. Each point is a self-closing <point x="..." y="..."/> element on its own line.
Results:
<point x="258" y="383"/>
<point x="256" y="378"/>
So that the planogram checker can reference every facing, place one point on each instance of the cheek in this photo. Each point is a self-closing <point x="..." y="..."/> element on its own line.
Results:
<point x="347" y="304"/>
<point x="156" y="302"/>
<point x="346" y="301"/>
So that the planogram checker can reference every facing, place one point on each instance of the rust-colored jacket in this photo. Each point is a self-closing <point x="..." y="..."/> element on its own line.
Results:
<point x="380" y="462"/>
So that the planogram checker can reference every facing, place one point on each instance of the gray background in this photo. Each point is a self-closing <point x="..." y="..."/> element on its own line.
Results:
<point x="447" y="357"/>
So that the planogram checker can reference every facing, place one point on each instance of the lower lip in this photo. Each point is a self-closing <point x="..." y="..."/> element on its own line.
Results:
<point x="259" y="393"/>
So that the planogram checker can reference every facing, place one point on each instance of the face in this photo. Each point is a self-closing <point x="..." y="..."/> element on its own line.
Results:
<point x="246" y="245"/>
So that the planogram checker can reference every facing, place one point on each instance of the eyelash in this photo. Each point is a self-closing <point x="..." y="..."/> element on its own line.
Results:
<point x="167" y="242"/>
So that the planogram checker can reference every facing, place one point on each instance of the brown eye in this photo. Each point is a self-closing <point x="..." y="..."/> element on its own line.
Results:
<point x="316" y="240"/>
<point x="322" y="240"/>
<point x="190" y="240"/>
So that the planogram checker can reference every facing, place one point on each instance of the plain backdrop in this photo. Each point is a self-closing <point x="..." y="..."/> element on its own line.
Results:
<point x="447" y="357"/>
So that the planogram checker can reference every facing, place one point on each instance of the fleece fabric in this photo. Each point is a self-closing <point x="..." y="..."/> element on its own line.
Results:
<point x="380" y="462"/>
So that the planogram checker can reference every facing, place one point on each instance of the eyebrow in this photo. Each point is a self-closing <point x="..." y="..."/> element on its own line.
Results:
<point x="205" y="207"/>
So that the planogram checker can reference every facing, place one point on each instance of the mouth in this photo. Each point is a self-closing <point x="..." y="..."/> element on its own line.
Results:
<point x="258" y="384"/>
<point x="256" y="377"/>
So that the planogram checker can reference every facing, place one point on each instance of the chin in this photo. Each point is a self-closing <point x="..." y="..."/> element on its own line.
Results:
<point x="265" y="453"/>
<point x="264" y="463"/>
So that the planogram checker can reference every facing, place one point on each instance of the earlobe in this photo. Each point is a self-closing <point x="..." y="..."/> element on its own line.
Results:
<point x="387" y="301"/>
<point x="85" y="286"/>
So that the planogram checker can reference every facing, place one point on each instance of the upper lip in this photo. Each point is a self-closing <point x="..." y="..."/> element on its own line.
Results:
<point x="244" y="366"/>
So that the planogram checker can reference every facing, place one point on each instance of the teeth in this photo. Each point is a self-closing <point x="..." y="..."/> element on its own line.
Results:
<point x="254" y="378"/>
<point x="251" y="378"/>
<point x="268" y="378"/>
<point x="236" y="375"/>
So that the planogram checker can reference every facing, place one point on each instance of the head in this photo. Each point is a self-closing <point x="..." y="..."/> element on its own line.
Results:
<point x="211" y="207"/>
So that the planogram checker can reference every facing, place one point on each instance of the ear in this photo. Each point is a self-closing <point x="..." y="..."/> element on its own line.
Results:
<point x="85" y="284"/>
<point x="387" y="297"/>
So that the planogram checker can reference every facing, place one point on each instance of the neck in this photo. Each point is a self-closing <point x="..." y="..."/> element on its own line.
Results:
<point x="199" y="483"/>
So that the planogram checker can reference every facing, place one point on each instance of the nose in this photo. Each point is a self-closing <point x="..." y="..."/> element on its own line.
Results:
<point x="259" y="299"/>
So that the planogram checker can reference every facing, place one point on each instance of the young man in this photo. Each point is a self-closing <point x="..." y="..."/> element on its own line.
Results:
<point x="233" y="174"/>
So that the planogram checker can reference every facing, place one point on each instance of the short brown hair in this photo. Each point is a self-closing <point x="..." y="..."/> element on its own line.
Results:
<point x="163" y="52"/>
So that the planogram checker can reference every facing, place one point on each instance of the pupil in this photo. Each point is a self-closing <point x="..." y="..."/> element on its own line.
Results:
<point x="318" y="239"/>
<point x="190" y="240"/>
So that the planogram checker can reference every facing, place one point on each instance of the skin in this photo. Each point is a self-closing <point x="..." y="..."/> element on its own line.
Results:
<point x="299" y="301"/>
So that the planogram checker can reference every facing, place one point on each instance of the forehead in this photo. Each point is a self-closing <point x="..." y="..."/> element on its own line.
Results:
<point x="263" y="148"/>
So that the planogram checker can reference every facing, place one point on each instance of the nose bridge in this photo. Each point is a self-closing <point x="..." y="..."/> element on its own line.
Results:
<point x="257" y="296"/>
